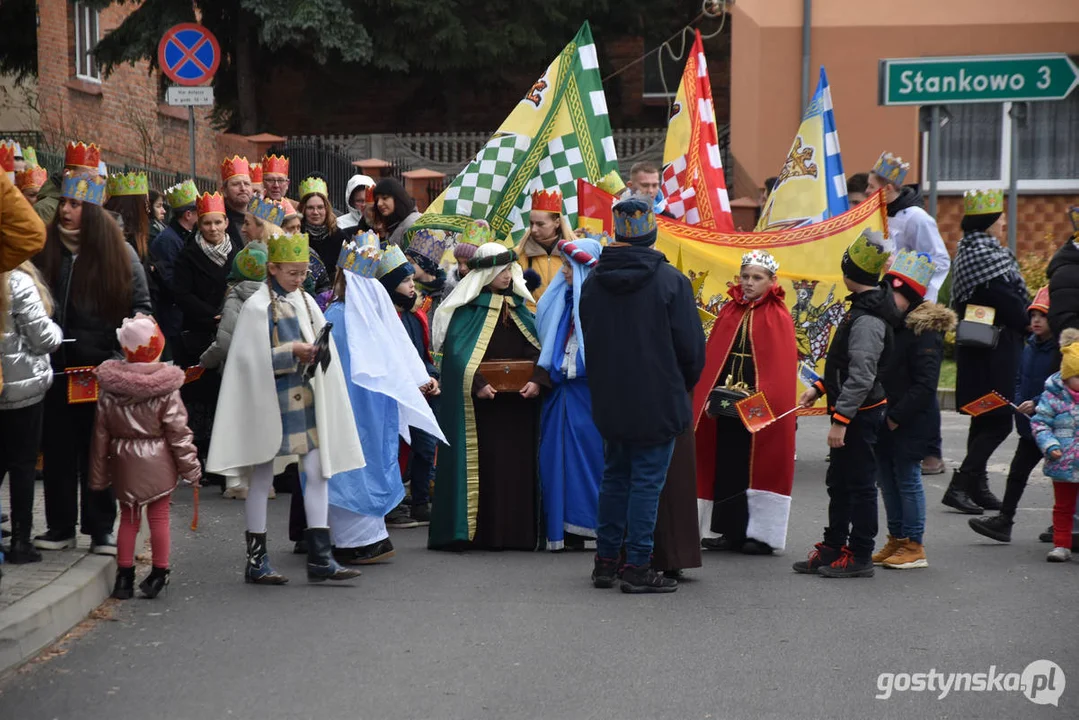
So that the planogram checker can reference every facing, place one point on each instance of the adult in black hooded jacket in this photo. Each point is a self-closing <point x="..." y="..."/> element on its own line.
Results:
<point x="633" y="301"/>
<point x="1063" y="274"/>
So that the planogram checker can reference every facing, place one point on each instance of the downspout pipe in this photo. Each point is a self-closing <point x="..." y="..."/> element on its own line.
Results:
<point x="807" y="25"/>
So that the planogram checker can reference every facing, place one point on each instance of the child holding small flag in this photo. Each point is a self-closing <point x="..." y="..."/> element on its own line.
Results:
<point x="857" y="403"/>
<point x="1040" y="359"/>
<point x="910" y="379"/>
<point x="1054" y="426"/>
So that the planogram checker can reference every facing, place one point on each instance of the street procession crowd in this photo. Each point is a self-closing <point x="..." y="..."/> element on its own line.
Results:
<point x="542" y="394"/>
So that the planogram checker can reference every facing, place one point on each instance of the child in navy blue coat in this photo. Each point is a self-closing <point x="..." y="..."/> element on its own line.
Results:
<point x="1040" y="359"/>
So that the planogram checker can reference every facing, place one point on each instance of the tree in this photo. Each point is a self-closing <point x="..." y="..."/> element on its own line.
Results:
<point x="18" y="38"/>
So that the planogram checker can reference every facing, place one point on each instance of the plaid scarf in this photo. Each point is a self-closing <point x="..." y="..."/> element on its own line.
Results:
<point x="979" y="259"/>
<point x="218" y="253"/>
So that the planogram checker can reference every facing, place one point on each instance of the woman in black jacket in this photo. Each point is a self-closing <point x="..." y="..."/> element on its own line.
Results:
<point x="395" y="210"/>
<point x="985" y="274"/>
<point x="320" y="224"/>
<point x="97" y="280"/>
<point x="200" y="277"/>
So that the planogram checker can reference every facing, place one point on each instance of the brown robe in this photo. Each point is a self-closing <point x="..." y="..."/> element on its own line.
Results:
<point x="677" y="536"/>
<point x="507" y="436"/>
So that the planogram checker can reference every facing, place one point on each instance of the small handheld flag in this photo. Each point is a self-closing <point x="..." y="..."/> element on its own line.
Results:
<point x="81" y="385"/>
<point x="755" y="412"/>
<point x="986" y="403"/>
<point x="193" y="373"/>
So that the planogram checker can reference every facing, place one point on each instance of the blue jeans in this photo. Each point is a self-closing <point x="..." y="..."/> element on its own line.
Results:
<point x="633" y="477"/>
<point x="936" y="445"/>
<point x="900" y="482"/>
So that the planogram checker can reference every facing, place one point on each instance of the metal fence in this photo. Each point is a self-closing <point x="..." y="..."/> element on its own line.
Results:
<point x="310" y="155"/>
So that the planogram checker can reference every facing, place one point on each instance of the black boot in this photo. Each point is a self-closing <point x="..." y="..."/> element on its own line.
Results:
<point x="957" y="495"/>
<point x="258" y="569"/>
<point x="998" y="527"/>
<point x="155" y="582"/>
<point x="982" y="495"/>
<point x="124" y="589"/>
<point x="604" y="573"/>
<point x="320" y="563"/>
<point x="22" y="550"/>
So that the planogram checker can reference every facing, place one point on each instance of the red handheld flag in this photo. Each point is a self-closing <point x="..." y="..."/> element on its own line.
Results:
<point x="984" y="404"/>
<point x="755" y="412"/>
<point x="81" y="385"/>
<point x="193" y="373"/>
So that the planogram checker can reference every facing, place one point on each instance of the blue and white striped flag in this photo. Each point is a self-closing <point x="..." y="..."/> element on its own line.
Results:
<point x="811" y="186"/>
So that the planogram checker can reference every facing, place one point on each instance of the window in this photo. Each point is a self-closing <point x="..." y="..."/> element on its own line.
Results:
<point x="975" y="147"/>
<point x="654" y="77"/>
<point x="87" y="33"/>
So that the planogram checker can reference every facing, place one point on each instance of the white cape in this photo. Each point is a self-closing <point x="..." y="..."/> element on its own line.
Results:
<point x="247" y="425"/>
<point x="383" y="358"/>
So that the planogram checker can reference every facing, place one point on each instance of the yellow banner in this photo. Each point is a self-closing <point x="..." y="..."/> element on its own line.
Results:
<point x="809" y="268"/>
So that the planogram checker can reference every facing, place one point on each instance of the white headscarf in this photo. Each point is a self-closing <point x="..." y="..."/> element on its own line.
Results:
<point x="383" y="359"/>
<point x="470" y="287"/>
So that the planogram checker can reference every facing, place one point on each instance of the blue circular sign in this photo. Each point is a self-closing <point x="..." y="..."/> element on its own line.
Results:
<point x="188" y="54"/>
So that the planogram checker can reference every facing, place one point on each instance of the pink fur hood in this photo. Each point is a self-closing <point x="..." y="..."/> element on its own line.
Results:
<point x="139" y="381"/>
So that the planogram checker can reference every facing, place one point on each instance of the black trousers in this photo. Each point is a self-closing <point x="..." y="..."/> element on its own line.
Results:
<point x="1027" y="456"/>
<point x="730" y="513"/>
<point x="20" y="438"/>
<point x="852" y="486"/>
<point x="986" y="434"/>
<point x="66" y="449"/>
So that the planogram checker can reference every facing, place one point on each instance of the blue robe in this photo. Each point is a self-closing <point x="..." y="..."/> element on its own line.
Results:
<point x="571" y="449"/>
<point x="376" y="488"/>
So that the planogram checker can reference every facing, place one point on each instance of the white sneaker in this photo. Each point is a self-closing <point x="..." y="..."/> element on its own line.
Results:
<point x="1059" y="554"/>
<point x="237" y="492"/>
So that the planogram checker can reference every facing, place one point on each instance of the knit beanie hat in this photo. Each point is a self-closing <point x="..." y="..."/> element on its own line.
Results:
<point x="1069" y="353"/>
<point x="249" y="263"/>
<point x="142" y="340"/>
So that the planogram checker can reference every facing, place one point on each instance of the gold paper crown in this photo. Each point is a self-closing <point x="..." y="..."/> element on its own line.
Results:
<point x="983" y="202"/>
<point x="31" y="177"/>
<point x="359" y="256"/>
<point x="635" y="224"/>
<point x="256" y="173"/>
<point x="208" y="203"/>
<point x="611" y="183"/>
<point x="891" y="168"/>
<point x="84" y="186"/>
<point x="915" y="269"/>
<point x="183" y="194"/>
<point x="289" y="248"/>
<point x="7" y="158"/>
<point x="81" y="155"/>
<point x="312" y="185"/>
<point x="868" y="253"/>
<point x="548" y="201"/>
<point x="233" y="166"/>
<point x="132" y="183"/>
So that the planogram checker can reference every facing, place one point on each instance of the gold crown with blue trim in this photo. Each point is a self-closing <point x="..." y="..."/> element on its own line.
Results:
<point x="313" y="185"/>
<point x="983" y="202"/>
<point x="392" y="258"/>
<point x="84" y="186"/>
<point x="132" y="183"/>
<point x="914" y="268"/>
<point x="638" y="223"/>
<point x="289" y="248"/>
<point x="891" y="168"/>
<point x="267" y="210"/>
<point x="361" y="255"/>
<point x="1073" y="213"/>
<point x="184" y="194"/>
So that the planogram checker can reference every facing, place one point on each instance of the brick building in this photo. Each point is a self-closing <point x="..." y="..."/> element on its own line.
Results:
<point x="124" y="113"/>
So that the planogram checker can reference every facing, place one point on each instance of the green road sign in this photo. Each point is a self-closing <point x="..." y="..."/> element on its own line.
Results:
<point x="976" y="79"/>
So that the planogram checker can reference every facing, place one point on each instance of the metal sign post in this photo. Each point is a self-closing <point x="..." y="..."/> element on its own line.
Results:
<point x="189" y="55"/>
<point x="1018" y="114"/>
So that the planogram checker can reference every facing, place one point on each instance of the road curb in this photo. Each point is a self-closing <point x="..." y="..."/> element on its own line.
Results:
<point x="43" y="616"/>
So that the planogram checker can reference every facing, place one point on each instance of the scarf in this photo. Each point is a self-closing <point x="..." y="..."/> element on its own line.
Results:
<point x="218" y="253"/>
<point x="979" y="259"/>
<point x="316" y="232"/>
<point x="70" y="239"/>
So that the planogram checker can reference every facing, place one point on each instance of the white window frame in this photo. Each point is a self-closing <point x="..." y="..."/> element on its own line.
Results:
<point x="1029" y="186"/>
<point x="87" y="36"/>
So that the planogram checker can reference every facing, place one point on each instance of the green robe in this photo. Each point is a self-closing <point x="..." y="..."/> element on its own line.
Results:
<point x="456" y="492"/>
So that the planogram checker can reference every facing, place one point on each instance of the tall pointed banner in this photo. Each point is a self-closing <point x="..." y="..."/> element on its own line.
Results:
<point x="811" y="186"/>
<point x="693" y="180"/>
<point x="557" y="133"/>
<point x="809" y="265"/>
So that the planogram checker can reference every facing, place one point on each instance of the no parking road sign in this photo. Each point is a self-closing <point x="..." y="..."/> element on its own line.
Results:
<point x="188" y="54"/>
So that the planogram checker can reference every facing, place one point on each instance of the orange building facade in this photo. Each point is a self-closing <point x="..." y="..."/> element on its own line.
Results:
<point x="848" y="38"/>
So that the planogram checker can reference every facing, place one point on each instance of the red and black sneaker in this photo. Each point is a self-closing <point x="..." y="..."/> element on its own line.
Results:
<point x="820" y="556"/>
<point x="848" y="566"/>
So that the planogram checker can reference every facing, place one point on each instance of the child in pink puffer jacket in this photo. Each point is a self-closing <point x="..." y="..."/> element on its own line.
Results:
<point x="141" y="443"/>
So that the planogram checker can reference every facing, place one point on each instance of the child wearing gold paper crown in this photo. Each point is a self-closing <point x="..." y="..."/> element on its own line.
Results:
<point x="1054" y="427"/>
<point x="141" y="443"/>
<point x="279" y="398"/>
<point x="857" y="403"/>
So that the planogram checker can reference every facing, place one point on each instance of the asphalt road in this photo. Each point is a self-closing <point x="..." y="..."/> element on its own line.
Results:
<point x="517" y="635"/>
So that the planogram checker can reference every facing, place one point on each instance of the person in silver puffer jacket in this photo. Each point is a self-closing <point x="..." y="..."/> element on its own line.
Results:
<point x="27" y="336"/>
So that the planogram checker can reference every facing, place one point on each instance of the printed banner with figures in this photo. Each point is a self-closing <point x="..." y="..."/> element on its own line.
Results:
<point x="557" y="133"/>
<point x="809" y="264"/>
